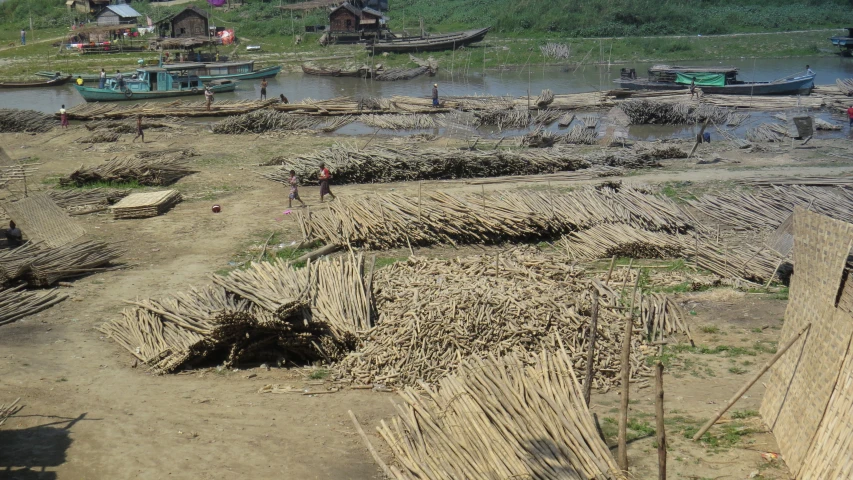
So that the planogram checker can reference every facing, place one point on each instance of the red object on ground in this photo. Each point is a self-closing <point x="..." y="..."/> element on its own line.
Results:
<point x="216" y="209"/>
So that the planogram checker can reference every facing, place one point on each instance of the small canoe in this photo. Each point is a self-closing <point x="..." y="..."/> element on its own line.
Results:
<point x="333" y="72"/>
<point x="87" y="77"/>
<point x="446" y="41"/>
<point x="36" y="84"/>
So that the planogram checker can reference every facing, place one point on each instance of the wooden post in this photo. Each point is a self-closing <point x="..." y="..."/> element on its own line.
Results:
<point x="622" y="452"/>
<point x="750" y="383"/>
<point x="610" y="271"/>
<point x="369" y="445"/>
<point x="419" y="200"/>
<point x="590" y="353"/>
<point x="661" y="431"/>
<point x="625" y="280"/>
<point x="483" y="190"/>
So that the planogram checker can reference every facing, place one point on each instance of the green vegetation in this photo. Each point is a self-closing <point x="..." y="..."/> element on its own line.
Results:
<point x="319" y="374"/>
<point x="737" y="370"/>
<point x="104" y="184"/>
<point x="636" y="428"/>
<point x="741" y="414"/>
<point x="385" y="261"/>
<point x="710" y="329"/>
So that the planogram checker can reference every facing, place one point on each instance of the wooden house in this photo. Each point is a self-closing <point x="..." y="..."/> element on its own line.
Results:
<point x="113" y="15"/>
<point x="86" y="6"/>
<point x="345" y="19"/>
<point x="189" y="22"/>
<point x="351" y="23"/>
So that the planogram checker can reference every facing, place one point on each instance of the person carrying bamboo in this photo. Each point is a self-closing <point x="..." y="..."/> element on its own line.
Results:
<point x="294" y="190"/>
<point x="324" y="178"/>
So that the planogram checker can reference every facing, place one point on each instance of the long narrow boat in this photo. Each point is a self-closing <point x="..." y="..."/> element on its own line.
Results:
<point x="36" y="84"/>
<point x="87" y="77"/>
<point x="713" y="80"/>
<point x="225" y="70"/>
<point x="334" y="72"/>
<point x="445" y="41"/>
<point x="151" y="83"/>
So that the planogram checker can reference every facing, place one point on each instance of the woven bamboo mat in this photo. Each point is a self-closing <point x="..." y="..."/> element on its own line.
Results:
<point x="146" y="199"/>
<point x="801" y="383"/>
<point x="41" y="220"/>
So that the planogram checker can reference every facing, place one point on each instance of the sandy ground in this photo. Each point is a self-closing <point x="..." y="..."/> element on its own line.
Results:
<point x="88" y="413"/>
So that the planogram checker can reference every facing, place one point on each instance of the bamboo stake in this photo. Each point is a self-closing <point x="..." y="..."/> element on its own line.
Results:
<point x="661" y="430"/>
<point x="750" y="383"/>
<point x="610" y="270"/>
<point x="593" y="326"/>
<point x="373" y="452"/>
<point x="622" y="452"/>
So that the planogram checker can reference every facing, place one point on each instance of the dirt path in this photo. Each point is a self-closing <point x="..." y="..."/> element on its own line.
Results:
<point x="89" y="414"/>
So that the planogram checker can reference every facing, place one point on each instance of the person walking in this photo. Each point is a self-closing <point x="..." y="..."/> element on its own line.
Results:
<point x="693" y="88"/>
<point x="208" y="95"/>
<point x="23" y="37"/>
<point x="139" y="132"/>
<point x="263" y="89"/>
<point x="102" y="79"/>
<point x="434" y="94"/>
<point x="850" y="115"/>
<point x="63" y="117"/>
<point x="294" y="190"/>
<point x="324" y="178"/>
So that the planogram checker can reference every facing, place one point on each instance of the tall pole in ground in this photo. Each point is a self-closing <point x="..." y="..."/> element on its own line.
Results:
<point x="661" y="431"/>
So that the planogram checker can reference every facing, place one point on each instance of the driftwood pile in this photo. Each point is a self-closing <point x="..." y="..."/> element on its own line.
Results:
<point x="518" y="417"/>
<point x="146" y="168"/>
<point x="17" y="303"/>
<point x="390" y="163"/>
<point x="261" y="121"/>
<point x="14" y="120"/>
<point x="391" y="220"/>
<point x="268" y="311"/>
<point x="433" y="313"/>
<point x="641" y="112"/>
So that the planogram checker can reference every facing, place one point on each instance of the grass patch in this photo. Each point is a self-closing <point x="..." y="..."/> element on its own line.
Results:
<point x="130" y="184"/>
<point x="385" y="261"/>
<point x="741" y="414"/>
<point x="737" y="370"/>
<point x="319" y="374"/>
<point x="710" y="329"/>
<point x="728" y="436"/>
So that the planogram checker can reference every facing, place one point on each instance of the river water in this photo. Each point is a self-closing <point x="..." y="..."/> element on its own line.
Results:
<point x="467" y="79"/>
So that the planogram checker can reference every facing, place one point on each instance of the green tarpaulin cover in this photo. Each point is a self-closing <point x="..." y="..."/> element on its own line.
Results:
<point x="702" y="79"/>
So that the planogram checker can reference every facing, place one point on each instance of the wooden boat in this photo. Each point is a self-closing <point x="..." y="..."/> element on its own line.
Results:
<point x="49" y="83"/>
<point x="225" y="70"/>
<point x="87" y="77"/>
<point x="334" y="72"/>
<point x="151" y="83"/>
<point x="844" y="42"/>
<point x="713" y="80"/>
<point x="445" y="41"/>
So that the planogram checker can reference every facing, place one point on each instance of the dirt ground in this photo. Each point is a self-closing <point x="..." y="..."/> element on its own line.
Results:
<point x="88" y="413"/>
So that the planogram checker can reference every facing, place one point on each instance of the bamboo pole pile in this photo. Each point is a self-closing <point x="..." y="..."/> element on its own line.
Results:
<point x="334" y="123"/>
<point x="845" y="85"/>
<point x="7" y="410"/>
<point x="844" y="180"/>
<point x="15" y="262"/>
<point x="662" y="317"/>
<point x="265" y="311"/>
<point x="70" y="260"/>
<point x="390" y="163"/>
<point x="401" y="121"/>
<point x="642" y="112"/>
<point x="101" y="136"/>
<point x="261" y="121"/>
<point x="86" y="199"/>
<point x="17" y="303"/>
<point x="736" y="119"/>
<point x="499" y="418"/>
<point x="395" y="74"/>
<point x="557" y="51"/>
<point x="392" y="220"/>
<point x="767" y="132"/>
<point x="545" y="117"/>
<point x="580" y="135"/>
<point x="504" y="119"/>
<point x="566" y="120"/>
<point x="608" y="240"/>
<point x="13" y="120"/>
<point x="590" y="121"/>
<point x="545" y="98"/>
<point x="147" y="168"/>
<point x="821" y="124"/>
<point x="177" y="109"/>
<point x="435" y="313"/>
<point x="819" y="98"/>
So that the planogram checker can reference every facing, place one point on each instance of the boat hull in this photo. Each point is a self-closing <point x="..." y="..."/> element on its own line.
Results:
<point x="430" y="44"/>
<point x="786" y="87"/>
<point x="49" y="83"/>
<point x="104" y="95"/>
<point x="87" y="77"/>
<point x="262" y="73"/>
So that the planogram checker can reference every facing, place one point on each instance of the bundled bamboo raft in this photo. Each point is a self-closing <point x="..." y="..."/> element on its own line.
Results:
<point x="17" y="303"/>
<point x="391" y="220"/>
<point x="395" y="74"/>
<point x="147" y="168"/>
<point x="177" y="109"/>
<point x="264" y="121"/>
<point x="14" y="120"/>
<point x="518" y="416"/>
<point x="71" y="260"/>
<point x="267" y="311"/>
<point x="566" y="120"/>
<point x="145" y="205"/>
<point x="434" y="313"/>
<point x="401" y="122"/>
<point x="388" y="163"/>
<point x="768" y="132"/>
<point x="641" y="112"/>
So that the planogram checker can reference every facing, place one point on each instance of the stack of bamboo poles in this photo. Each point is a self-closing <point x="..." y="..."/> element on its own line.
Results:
<point x="389" y="163"/>
<point x="545" y="98"/>
<point x="545" y="117"/>
<point x="434" y="313"/>
<point x="261" y="121"/>
<point x="401" y="121"/>
<point x="580" y="135"/>
<point x="767" y="132"/>
<point x="86" y="200"/>
<point x="146" y="168"/>
<point x="504" y="119"/>
<point x="15" y="262"/>
<point x="269" y="310"/>
<point x="101" y="136"/>
<point x="177" y="109"/>
<point x="845" y="85"/>
<point x="821" y="124"/>
<point x="7" y="410"/>
<point x="608" y="240"/>
<point x="71" y="260"/>
<point x="17" y="303"/>
<point x="498" y="418"/>
<point x="662" y="317"/>
<point x="13" y="120"/>
<point x="395" y="74"/>
<point x="335" y="123"/>
<point x="641" y="112"/>
<point x="391" y="220"/>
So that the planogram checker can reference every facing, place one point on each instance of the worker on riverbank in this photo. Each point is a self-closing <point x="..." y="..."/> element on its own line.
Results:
<point x="809" y="70"/>
<point x="850" y="115"/>
<point x="139" y="132"/>
<point x="693" y="88"/>
<point x="263" y="89"/>
<point x="208" y="96"/>
<point x="325" y="177"/>
<point x="63" y="117"/>
<point x="79" y="81"/>
<point x="294" y="190"/>
<point x="14" y="237"/>
<point x="434" y="94"/>
<point x="23" y="37"/>
<point x="102" y="79"/>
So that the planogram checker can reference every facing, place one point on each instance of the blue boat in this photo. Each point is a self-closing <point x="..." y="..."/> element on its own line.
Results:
<point x="225" y="70"/>
<point x="722" y="81"/>
<point x="844" y="42"/>
<point x="153" y="82"/>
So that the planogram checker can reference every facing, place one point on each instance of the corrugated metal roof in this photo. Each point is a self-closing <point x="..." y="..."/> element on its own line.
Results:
<point x="124" y="10"/>
<point x="371" y="11"/>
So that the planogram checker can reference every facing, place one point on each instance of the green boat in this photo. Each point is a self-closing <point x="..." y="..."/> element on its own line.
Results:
<point x="153" y="82"/>
<point x="225" y="70"/>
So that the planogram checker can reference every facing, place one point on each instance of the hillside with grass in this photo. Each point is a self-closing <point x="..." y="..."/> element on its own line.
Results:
<point x="567" y="18"/>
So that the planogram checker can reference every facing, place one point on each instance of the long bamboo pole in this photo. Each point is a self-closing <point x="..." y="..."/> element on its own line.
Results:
<point x="590" y="354"/>
<point x="750" y="383"/>
<point x="661" y="430"/>
<point x="622" y="454"/>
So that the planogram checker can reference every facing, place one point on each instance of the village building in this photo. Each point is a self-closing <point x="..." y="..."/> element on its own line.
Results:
<point x="189" y="22"/>
<point x="117" y="15"/>
<point x="351" y="23"/>
<point x="86" y="6"/>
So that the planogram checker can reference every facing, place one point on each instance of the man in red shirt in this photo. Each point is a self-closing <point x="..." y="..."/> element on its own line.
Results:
<point x="850" y="115"/>
<point x="324" y="178"/>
